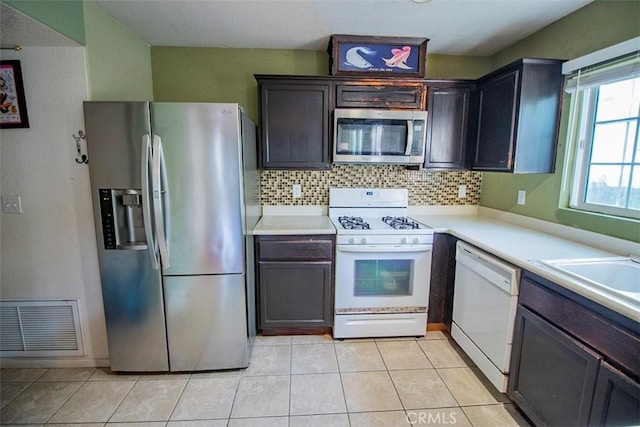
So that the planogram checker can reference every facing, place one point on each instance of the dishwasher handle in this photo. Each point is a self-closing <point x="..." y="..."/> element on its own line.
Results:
<point x="502" y="278"/>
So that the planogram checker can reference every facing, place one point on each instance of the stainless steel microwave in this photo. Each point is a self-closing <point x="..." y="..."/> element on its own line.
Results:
<point x="379" y="136"/>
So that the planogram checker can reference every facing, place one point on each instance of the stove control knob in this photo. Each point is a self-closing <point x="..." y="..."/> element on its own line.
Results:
<point x="416" y="240"/>
<point x="363" y="240"/>
<point x="352" y="240"/>
<point x="403" y="240"/>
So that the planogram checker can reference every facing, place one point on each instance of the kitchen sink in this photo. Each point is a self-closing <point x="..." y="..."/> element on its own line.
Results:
<point x="617" y="275"/>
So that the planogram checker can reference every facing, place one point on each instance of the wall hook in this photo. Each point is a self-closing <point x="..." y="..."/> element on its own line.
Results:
<point x="80" y="158"/>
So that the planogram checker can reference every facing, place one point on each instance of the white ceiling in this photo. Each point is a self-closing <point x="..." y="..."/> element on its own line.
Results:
<point x="466" y="27"/>
<point x="17" y="29"/>
<point x="469" y="27"/>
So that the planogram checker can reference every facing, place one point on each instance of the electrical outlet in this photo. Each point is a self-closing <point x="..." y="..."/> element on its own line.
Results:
<point x="11" y="205"/>
<point x="462" y="191"/>
<point x="297" y="191"/>
<point x="522" y="195"/>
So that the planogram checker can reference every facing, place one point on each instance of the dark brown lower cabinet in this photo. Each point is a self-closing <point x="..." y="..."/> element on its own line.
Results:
<point x="616" y="401"/>
<point x="295" y="283"/>
<point x="443" y="271"/>
<point x="553" y="375"/>
<point x="573" y="361"/>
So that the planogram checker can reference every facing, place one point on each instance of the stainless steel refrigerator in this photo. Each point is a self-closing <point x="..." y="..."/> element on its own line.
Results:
<point x="176" y="195"/>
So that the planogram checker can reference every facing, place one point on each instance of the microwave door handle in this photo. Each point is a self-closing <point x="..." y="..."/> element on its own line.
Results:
<point x="409" y="138"/>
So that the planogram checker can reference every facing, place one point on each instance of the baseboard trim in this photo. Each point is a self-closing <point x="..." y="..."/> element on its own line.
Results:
<point x="59" y="362"/>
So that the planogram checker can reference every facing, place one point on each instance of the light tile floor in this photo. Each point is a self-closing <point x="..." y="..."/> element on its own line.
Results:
<point x="292" y="381"/>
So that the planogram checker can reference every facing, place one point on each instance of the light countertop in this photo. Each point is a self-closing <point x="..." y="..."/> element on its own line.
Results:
<point x="524" y="247"/>
<point x="519" y="240"/>
<point x="294" y="224"/>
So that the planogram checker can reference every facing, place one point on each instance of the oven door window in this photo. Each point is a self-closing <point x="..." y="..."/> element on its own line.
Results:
<point x="383" y="277"/>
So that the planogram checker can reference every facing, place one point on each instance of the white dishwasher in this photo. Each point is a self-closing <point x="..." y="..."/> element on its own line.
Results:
<point x="485" y="297"/>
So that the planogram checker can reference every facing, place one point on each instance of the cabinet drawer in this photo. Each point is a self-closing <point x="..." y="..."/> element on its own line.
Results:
<point x="597" y="330"/>
<point x="295" y="249"/>
<point x="368" y="95"/>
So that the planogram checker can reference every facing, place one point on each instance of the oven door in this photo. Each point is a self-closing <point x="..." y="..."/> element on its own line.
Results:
<point x="380" y="277"/>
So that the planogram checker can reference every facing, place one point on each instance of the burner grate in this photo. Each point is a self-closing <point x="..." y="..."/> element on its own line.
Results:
<point x="353" y="223"/>
<point x="400" y="223"/>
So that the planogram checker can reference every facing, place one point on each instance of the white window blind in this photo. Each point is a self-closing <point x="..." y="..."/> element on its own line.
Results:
<point x="623" y="68"/>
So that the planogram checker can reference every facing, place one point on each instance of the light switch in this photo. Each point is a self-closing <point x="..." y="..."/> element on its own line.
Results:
<point x="462" y="191"/>
<point x="11" y="204"/>
<point x="522" y="195"/>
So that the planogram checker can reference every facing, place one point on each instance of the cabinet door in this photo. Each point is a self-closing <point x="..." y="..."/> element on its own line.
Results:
<point x="295" y="294"/>
<point x="495" y="138"/>
<point x="552" y="375"/>
<point x="616" y="401"/>
<point x="443" y="272"/>
<point x="447" y="127"/>
<point x="294" y="125"/>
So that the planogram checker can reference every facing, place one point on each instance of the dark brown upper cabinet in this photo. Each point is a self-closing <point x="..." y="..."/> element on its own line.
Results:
<point x="448" y="110"/>
<point x="381" y="93"/>
<point x="516" y="111"/>
<point x="294" y="127"/>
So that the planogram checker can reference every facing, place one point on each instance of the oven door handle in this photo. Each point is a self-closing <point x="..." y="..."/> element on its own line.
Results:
<point x="383" y="248"/>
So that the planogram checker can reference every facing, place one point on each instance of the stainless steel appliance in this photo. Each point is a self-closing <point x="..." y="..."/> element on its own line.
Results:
<point x="383" y="264"/>
<point x="175" y="189"/>
<point x="379" y="136"/>
<point x="484" y="308"/>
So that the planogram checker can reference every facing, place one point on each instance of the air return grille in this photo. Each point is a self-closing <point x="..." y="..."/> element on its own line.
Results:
<point x="40" y="328"/>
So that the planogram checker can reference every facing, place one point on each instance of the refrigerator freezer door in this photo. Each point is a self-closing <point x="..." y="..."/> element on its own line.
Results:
<point x="202" y="155"/>
<point x="134" y="312"/>
<point x="131" y="287"/>
<point x="206" y="322"/>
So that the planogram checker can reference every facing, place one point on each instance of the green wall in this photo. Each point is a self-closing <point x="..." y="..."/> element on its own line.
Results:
<point x="596" y="26"/>
<point x="118" y="61"/>
<point x="63" y="16"/>
<point x="457" y="66"/>
<point x="226" y="75"/>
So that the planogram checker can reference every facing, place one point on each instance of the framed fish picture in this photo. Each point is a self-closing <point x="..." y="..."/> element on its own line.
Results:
<point x="377" y="56"/>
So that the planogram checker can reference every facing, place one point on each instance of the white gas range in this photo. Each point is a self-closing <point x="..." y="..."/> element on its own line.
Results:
<point x="383" y="264"/>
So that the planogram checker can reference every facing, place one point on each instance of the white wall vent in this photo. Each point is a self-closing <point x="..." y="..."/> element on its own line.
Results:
<point x="40" y="328"/>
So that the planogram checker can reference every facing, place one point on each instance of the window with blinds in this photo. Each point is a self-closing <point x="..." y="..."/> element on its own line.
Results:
<point x="604" y="130"/>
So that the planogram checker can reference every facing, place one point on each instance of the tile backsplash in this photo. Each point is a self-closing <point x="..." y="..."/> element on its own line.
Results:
<point x="426" y="187"/>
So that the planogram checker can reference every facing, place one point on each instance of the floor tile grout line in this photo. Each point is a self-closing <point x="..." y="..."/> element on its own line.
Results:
<point x="63" y="403"/>
<point x="391" y="378"/>
<point x="235" y="393"/>
<point x="290" y="387"/>
<point x="122" y="400"/>
<point x="14" y="397"/>
<point x="344" y="395"/>
<point x="175" y="405"/>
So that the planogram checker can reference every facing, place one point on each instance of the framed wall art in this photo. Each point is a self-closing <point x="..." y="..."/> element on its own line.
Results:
<point x="13" y="107"/>
<point x="377" y="56"/>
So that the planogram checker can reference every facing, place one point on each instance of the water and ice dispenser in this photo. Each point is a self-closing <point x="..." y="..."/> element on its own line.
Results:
<point x="122" y="220"/>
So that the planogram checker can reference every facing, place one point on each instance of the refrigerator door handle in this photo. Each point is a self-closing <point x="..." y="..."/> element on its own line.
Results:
<point x="146" y="201"/>
<point x="159" y="187"/>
